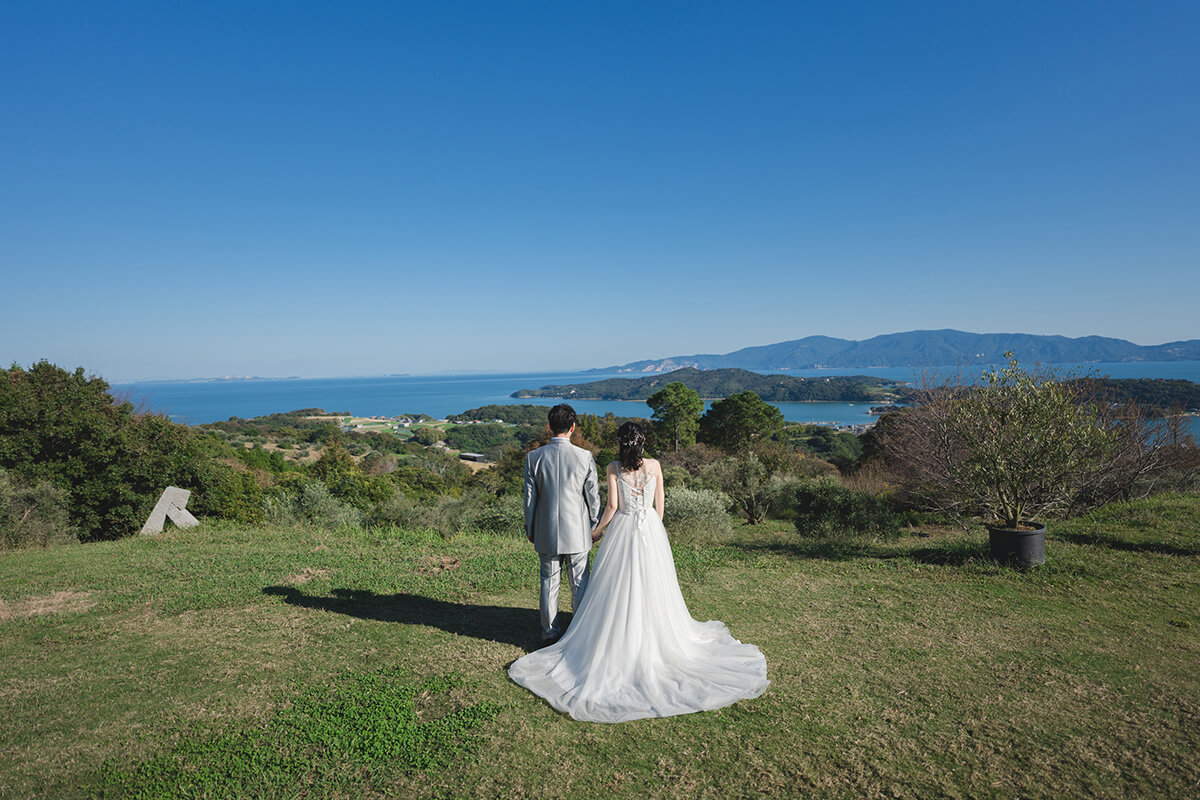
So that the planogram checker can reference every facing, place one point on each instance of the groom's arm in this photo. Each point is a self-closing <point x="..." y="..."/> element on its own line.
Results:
<point x="530" y="499"/>
<point x="591" y="493"/>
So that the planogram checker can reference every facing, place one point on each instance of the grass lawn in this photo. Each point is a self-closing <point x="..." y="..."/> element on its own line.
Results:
<point x="266" y="662"/>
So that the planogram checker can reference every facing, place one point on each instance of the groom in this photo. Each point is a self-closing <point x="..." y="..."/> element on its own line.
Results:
<point x="562" y="506"/>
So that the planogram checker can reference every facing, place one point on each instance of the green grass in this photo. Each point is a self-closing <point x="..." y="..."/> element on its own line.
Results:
<point x="241" y="662"/>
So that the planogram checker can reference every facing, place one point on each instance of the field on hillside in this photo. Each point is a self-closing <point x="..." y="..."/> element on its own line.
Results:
<point x="305" y="663"/>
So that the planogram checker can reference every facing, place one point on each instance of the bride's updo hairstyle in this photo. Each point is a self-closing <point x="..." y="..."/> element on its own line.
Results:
<point x="631" y="439"/>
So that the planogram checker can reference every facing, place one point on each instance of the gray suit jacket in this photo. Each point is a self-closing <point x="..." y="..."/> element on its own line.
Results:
<point x="562" y="499"/>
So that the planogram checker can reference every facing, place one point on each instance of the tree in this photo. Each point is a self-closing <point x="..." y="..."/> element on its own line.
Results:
<point x="428" y="435"/>
<point x="1020" y="445"/>
<point x="677" y="413"/>
<point x="736" y="422"/>
<point x="64" y="428"/>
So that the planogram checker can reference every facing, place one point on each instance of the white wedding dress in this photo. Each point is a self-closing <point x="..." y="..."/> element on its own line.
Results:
<point x="632" y="649"/>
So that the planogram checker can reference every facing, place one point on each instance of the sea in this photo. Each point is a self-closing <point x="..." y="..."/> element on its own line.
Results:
<point x="199" y="402"/>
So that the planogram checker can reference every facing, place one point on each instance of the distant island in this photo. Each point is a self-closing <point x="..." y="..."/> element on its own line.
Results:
<point x="719" y="383"/>
<point x="921" y="349"/>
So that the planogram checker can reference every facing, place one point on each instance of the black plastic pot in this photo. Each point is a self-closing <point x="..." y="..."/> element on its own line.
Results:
<point x="1023" y="549"/>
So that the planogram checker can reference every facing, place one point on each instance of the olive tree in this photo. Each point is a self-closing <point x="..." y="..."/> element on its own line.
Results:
<point x="1017" y="445"/>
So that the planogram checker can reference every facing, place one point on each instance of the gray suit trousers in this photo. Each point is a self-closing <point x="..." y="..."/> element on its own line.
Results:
<point x="578" y="571"/>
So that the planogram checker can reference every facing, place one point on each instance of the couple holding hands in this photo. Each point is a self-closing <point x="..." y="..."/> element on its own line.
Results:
<point x="632" y="649"/>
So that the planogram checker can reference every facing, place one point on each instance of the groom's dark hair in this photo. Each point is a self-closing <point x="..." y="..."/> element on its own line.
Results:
<point x="562" y="417"/>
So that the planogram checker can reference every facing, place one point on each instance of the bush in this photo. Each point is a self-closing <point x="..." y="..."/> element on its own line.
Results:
<point x="824" y="507"/>
<point x="427" y="436"/>
<point x="490" y="439"/>
<point x="227" y="493"/>
<point x="66" y="429"/>
<point x="1024" y="445"/>
<point x="314" y="505"/>
<point x="502" y="515"/>
<point x="676" y="476"/>
<point x="750" y="483"/>
<point x="33" y="516"/>
<point x="699" y="512"/>
<point x="445" y="515"/>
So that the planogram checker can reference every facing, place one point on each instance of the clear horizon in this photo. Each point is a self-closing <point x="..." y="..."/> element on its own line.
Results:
<point x="315" y="190"/>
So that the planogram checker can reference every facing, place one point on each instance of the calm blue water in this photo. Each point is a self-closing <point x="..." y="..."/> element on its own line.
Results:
<point x="197" y="403"/>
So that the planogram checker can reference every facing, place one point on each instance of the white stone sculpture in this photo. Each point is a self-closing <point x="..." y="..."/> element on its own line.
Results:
<point x="172" y="505"/>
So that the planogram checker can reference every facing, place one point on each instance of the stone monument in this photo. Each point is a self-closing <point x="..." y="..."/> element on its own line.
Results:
<point x="173" y="506"/>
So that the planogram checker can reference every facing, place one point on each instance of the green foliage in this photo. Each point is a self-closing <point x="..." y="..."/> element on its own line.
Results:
<point x="449" y="514"/>
<point x="1162" y="394"/>
<point x="676" y="414"/>
<point x="674" y="476"/>
<point x="841" y="449"/>
<point x="271" y="461"/>
<point x="33" y="516"/>
<point x="736" y="422"/>
<point x="359" y="729"/>
<point x="523" y="414"/>
<point x="290" y="425"/>
<point x="725" y="383"/>
<point x="427" y="435"/>
<point x="778" y="457"/>
<point x="312" y="503"/>
<point x="751" y="486"/>
<point x="823" y="507"/>
<point x="341" y="474"/>
<point x="227" y="493"/>
<point x="419" y="483"/>
<point x="487" y="438"/>
<point x="698" y="513"/>
<point x="65" y="428"/>
<point x="505" y="477"/>
<point x="501" y="515"/>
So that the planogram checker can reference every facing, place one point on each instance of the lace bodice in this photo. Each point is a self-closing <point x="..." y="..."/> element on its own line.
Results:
<point x="636" y="490"/>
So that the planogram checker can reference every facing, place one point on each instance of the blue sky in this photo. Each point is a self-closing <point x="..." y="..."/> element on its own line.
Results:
<point x="320" y="189"/>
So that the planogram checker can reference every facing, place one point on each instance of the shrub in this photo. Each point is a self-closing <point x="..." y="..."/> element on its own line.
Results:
<point x="693" y="458"/>
<point x="488" y="438"/>
<point x="33" y="516"/>
<point x="749" y="483"/>
<point x="313" y="504"/>
<point x="1023" y="445"/>
<point x="445" y="515"/>
<point x="502" y="515"/>
<point x="113" y="463"/>
<point x="824" y="507"/>
<point x="675" y="477"/>
<point x="699" y="512"/>
<point x="227" y="493"/>
<point x="346" y="481"/>
<point x="426" y="436"/>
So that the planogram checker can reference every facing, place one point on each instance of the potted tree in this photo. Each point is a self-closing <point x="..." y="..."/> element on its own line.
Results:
<point x="1011" y="449"/>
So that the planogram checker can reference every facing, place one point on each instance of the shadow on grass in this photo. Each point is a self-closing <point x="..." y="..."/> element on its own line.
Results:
<point x="1115" y="543"/>
<point x="952" y="553"/>
<point x="515" y="626"/>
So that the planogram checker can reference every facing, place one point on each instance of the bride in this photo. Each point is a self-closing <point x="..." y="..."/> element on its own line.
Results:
<point x="633" y="650"/>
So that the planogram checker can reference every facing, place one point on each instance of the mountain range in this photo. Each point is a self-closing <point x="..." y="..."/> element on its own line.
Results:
<point x="922" y="349"/>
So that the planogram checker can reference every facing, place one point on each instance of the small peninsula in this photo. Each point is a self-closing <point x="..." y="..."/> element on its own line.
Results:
<point x="718" y="383"/>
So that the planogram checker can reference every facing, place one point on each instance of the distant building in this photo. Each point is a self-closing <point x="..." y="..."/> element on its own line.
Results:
<point x="480" y="457"/>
